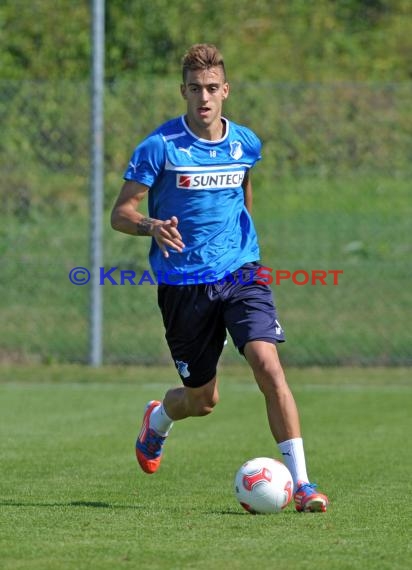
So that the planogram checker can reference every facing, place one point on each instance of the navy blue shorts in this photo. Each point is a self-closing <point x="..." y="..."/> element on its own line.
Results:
<point x="196" y="318"/>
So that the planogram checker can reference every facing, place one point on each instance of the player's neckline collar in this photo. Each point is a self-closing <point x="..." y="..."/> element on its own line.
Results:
<point x="225" y="131"/>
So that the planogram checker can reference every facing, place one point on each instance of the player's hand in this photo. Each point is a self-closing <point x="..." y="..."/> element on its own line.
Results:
<point x="167" y="235"/>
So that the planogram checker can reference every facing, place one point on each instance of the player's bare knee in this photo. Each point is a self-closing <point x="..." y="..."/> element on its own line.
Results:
<point x="270" y="377"/>
<point x="209" y="403"/>
<point x="262" y="356"/>
<point x="204" y="407"/>
<point x="268" y="369"/>
<point x="205" y="410"/>
<point x="202" y="402"/>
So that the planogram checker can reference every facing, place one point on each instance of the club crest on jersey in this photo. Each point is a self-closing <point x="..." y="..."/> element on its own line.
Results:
<point x="236" y="150"/>
<point x="183" y="368"/>
<point x="207" y="180"/>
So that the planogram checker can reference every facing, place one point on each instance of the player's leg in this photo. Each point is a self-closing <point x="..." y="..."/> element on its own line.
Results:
<point x="178" y="404"/>
<point x="280" y="404"/>
<point x="251" y="319"/>
<point x="195" y="333"/>
<point x="284" y="422"/>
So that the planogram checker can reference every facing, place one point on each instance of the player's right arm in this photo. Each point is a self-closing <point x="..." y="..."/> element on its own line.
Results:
<point x="127" y="219"/>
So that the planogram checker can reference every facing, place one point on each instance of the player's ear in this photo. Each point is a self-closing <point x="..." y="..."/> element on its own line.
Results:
<point x="183" y="90"/>
<point x="226" y="90"/>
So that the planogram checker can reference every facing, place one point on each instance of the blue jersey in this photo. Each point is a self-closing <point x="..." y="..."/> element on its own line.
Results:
<point x="200" y="182"/>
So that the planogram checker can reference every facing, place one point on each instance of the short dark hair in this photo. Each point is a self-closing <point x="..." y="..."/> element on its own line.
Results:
<point x="202" y="56"/>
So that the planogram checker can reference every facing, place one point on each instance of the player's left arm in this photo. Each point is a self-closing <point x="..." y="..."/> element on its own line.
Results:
<point x="247" y="192"/>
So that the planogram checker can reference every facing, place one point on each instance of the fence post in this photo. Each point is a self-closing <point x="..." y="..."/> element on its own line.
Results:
<point x="97" y="183"/>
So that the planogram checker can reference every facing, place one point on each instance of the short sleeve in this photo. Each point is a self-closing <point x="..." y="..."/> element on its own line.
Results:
<point x="147" y="161"/>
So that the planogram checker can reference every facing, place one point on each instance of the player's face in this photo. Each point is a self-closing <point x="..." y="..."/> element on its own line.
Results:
<point x="205" y="90"/>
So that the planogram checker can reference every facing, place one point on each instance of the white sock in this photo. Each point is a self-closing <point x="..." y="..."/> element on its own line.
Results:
<point x="294" y="458"/>
<point x="160" y="421"/>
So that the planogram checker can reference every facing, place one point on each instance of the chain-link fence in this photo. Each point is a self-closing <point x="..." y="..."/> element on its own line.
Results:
<point x="333" y="193"/>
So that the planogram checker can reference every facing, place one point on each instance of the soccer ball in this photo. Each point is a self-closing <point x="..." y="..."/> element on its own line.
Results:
<point x="263" y="485"/>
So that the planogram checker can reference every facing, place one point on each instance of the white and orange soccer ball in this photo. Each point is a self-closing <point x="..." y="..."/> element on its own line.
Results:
<point x="263" y="485"/>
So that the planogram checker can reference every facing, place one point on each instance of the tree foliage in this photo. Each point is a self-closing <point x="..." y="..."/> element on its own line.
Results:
<point x="323" y="83"/>
<point x="276" y="40"/>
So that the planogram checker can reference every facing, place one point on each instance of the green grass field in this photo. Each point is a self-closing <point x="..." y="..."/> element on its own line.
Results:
<point x="73" y="498"/>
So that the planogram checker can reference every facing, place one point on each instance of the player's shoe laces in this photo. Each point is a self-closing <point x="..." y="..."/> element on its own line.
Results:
<point x="149" y="443"/>
<point x="308" y="500"/>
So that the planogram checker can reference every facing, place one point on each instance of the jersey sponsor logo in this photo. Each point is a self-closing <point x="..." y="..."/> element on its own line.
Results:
<point x="204" y="181"/>
<point x="236" y="150"/>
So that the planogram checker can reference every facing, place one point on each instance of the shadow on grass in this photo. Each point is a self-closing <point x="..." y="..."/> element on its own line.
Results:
<point x="244" y="513"/>
<point x="87" y="504"/>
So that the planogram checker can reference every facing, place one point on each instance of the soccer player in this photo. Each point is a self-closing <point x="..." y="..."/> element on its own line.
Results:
<point x="195" y="171"/>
